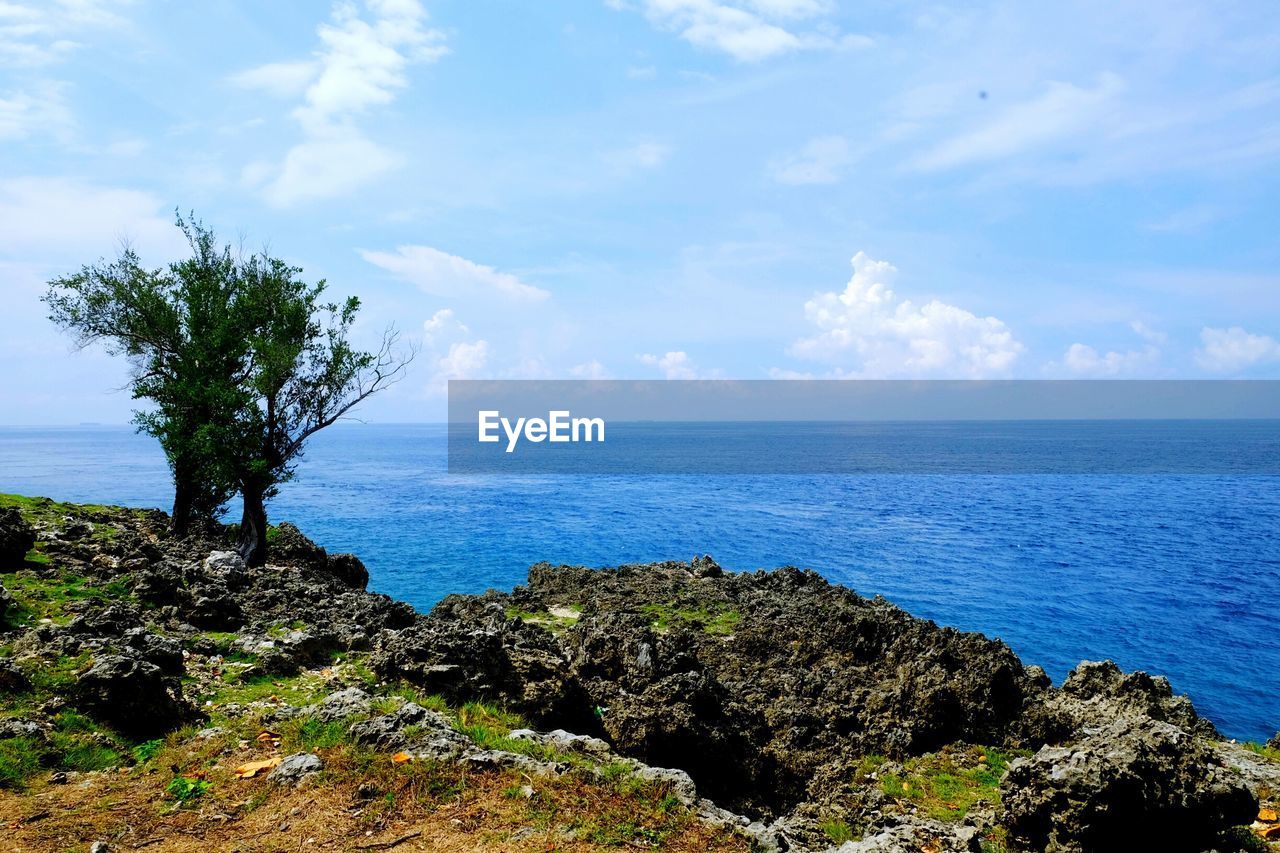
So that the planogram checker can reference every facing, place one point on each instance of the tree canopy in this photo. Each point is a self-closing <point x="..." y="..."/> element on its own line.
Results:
<point x="240" y="361"/>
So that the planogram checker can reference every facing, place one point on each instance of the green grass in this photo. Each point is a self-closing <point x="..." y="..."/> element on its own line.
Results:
<point x="719" y="619"/>
<point x="552" y="622"/>
<point x="57" y="598"/>
<point x="946" y="785"/>
<point x="837" y="831"/>
<point x="1267" y="752"/>
<point x="20" y="759"/>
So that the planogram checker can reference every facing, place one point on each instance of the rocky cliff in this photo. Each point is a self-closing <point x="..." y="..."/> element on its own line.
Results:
<point x="674" y="705"/>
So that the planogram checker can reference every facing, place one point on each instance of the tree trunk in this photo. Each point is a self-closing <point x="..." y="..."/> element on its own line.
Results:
<point x="253" y="526"/>
<point x="183" y="501"/>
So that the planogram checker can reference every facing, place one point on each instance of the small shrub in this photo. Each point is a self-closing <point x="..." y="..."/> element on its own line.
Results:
<point x="184" y="789"/>
<point x="837" y="830"/>
<point x="147" y="750"/>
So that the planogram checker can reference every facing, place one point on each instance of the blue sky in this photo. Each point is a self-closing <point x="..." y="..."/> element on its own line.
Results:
<point x="681" y="188"/>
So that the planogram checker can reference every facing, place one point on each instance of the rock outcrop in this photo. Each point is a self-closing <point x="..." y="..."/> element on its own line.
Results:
<point x="16" y="538"/>
<point x="774" y="702"/>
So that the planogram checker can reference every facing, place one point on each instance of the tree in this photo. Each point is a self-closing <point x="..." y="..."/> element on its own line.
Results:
<point x="179" y="330"/>
<point x="304" y="375"/>
<point x="241" y="361"/>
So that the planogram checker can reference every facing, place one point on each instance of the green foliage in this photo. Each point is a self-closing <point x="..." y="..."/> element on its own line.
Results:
<point x="184" y="789"/>
<point x="59" y="597"/>
<point x="717" y="619"/>
<point x="19" y="761"/>
<point x="1267" y="752"/>
<point x="308" y="734"/>
<point x="147" y="750"/>
<point x="551" y="621"/>
<point x="837" y="831"/>
<point x="947" y="784"/>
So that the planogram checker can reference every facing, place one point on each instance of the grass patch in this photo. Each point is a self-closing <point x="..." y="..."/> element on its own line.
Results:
<point x="837" y="831"/>
<point x="58" y="598"/>
<point x="1267" y="752"/>
<point x="20" y="759"/>
<point x="946" y="785"/>
<point x="719" y="619"/>
<point x="553" y="622"/>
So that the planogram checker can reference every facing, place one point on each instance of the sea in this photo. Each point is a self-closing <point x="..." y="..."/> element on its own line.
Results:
<point x="1177" y="574"/>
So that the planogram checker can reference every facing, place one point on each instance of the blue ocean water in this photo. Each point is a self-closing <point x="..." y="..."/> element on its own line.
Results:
<point x="1175" y="574"/>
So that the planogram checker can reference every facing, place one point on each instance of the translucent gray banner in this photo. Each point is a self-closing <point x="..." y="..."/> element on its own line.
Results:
<point x="863" y="427"/>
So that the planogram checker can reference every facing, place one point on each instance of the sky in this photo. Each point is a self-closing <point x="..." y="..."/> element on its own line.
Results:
<point x="744" y="189"/>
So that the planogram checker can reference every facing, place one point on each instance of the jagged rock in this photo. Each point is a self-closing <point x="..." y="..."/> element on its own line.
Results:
<point x="164" y="652"/>
<point x="16" y="538"/>
<point x="18" y="727"/>
<point x="349" y="570"/>
<point x="132" y="695"/>
<point x="340" y="705"/>
<point x="295" y="768"/>
<point x="1133" y="692"/>
<point x="226" y="566"/>
<point x="288" y="545"/>
<point x="1274" y="743"/>
<point x="6" y="604"/>
<point x="73" y="529"/>
<point x="783" y="674"/>
<point x="214" y="609"/>
<point x="12" y="678"/>
<point x="917" y="834"/>
<point x="388" y="730"/>
<point x="1139" y="779"/>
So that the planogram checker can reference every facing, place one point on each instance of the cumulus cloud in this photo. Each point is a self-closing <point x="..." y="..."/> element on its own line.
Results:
<point x="362" y="63"/>
<point x="747" y="30"/>
<point x="867" y="331"/>
<point x="442" y="274"/>
<point x="674" y="365"/>
<point x="821" y="161"/>
<point x="1083" y="360"/>
<point x="1229" y="350"/>
<point x="589" y="370"/>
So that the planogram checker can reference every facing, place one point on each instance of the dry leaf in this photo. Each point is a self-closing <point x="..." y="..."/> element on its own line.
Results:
<point x="265" y="735"/>
<point x="401" y="757"/>
<point x="253" y="768"/>
<point x="1270" y="832"/>
<point x="1267" y="815"/>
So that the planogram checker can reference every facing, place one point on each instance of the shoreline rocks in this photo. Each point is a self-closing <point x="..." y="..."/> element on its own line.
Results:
<point x="773" y="701"/>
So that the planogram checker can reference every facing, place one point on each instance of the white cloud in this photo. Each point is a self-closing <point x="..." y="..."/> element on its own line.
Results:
<point x="589" y="370"/>
<point x="867" y="331"/>
<point x="329" y="166"/>
<point x="1084" y="360"/>
<point x="1062" y="112"/>
<point x="643" y="72"/>
<point x="465" y="360"/>
<point x="362" y="63"/>
<point x="61" y="219"/>
<point x="821" y="161"/>
<point x="674" y="365"/>
<point x="1228" y="350"/>
<point x="747" y="30"/>
<point x="36" y="35"/>
<point x="40" y="110"/>
<point x="281" y="79"/>
<point x="442" y="322"/>
<point x="442" y="274"/>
